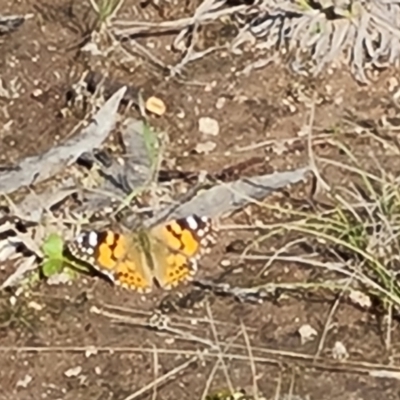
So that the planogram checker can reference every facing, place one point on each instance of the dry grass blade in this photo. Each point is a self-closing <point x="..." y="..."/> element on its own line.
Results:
<point x="327" y="326"/>
<point x="156" y="367"/>
<point x="218" y="345"/>
<point x="252" y="364"/>
<point x="158" y="322"/>
<point x="213" y="11"/>
<point x="207" y="11"/>
<point x="277" y="357"/>
<point x="215" y="368"/>
<point x="161" y="379"/>
<point x="22" y="268"/>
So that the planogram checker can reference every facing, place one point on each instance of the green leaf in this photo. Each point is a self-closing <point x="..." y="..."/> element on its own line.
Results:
<point x="151" y="142"/>
<point x="53" y="251"/>
<point x="51" y="267"/>
<point x="53" y="247"/>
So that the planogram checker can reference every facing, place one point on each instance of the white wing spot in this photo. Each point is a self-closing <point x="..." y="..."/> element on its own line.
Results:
<point x="191" y="221"/>
<point x="89" y="250"/>
<point x="93" y="239"/>
<point x="200" y="232"/>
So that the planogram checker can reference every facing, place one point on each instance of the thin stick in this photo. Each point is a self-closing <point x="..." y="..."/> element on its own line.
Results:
<point x="278" y="387"/>
<point x="214" y="370"/>
<point x="217" y="343"/>
<point x="290" y="394"/>
<point x="313" y="164"/>
<point x="155" y="358"/>
<point x="161" y="379"/>
<point x="252" y="364"/>
<point x="360" y="367"/>
<point x="329" y="319"/>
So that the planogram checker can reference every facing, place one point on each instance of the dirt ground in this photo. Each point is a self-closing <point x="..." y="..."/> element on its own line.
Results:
<point x="90" y="340"/>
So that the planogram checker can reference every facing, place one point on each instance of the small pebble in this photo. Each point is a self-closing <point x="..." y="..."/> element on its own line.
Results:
<point x="35" y="306"/>
<point x="206" y="147"/>
<point x="339" y="351"/>
<point x="24" y="382"/>
<point x="208" y="126"/>
<point x="392" y="83"/>
<point x="220" y="103"/>
<point x="73" y="372"/>
<point x="307" y="333"/>
<point x="360" y="299"/>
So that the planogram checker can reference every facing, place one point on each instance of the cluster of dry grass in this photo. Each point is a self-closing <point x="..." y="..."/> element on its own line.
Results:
<point x="317" y="34"/>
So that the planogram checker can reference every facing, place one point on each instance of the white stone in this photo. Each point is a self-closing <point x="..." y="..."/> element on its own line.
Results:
<point x="73" y="372"/>
<point x="339" y="351"/>
<point x="205" y="147"/>
<point x="220" y="103"/>
<point x="208" y="126"/>
<point x="307" y="333"/>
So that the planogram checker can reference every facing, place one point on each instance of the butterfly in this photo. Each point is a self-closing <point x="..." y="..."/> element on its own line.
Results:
<point x="166" y="253"/>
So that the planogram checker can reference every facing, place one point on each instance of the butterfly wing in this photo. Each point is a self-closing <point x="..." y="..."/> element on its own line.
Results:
<point x="117" y="256"/>
<point x="176" y="246"/>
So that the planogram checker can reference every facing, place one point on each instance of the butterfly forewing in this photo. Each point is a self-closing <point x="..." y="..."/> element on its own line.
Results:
<point x="177" y="245"/>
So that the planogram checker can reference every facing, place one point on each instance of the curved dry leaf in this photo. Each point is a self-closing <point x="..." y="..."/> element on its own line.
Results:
<point x="227" y="197"/>
<point x="40" y="167"/>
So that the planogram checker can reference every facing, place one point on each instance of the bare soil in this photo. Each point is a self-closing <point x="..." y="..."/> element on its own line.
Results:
<point x="59" y="343"/>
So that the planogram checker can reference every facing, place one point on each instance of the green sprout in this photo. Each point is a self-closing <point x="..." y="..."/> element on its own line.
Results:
<point x="106" y="9"/>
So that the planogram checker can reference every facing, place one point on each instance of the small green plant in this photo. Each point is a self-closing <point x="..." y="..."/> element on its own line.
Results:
<point x="106" y="9"/>
<point x="153" y="151"/>
<point x="17" y="316"/>
<point x="152" y="144"/>
<point x="55" y="261"/>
